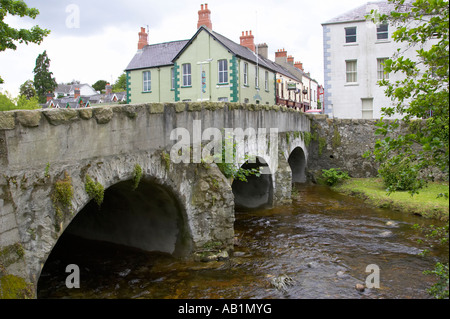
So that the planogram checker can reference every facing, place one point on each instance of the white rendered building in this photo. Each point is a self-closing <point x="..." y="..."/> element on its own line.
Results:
<point x="354" y="51"/>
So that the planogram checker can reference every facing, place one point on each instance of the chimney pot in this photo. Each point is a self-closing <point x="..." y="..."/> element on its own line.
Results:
<point x="143" y="39"/>
<point x="204" y="17"/>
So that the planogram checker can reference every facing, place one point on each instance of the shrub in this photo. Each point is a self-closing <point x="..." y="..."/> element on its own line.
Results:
<point x="333" y="176"/>
<point x="399" y="174"/>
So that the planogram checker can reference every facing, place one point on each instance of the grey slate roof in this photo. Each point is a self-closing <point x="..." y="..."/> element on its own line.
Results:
<point x="163" y="54"/>
<point x="359" y="13"/>
<point x="154" y="55"/>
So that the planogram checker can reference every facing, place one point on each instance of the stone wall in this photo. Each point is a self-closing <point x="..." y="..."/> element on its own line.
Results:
<point x="341" y="143"/>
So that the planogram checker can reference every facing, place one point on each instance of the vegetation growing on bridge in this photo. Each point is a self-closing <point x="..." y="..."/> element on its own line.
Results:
<point x="95" y="190"/>
<point x="62" y="198"/>
<point x="137" y="176"/>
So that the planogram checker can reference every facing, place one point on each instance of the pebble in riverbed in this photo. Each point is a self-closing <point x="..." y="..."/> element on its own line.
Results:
<point x="360" y="287"/>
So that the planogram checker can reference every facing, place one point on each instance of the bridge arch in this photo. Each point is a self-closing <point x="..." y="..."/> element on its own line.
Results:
<point x="297" y="162"/>
<point x="258" y="191"/>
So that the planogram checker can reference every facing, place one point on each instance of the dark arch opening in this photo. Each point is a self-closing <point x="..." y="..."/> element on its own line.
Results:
<point x="256" y="193"/>
<point x="297" y="162"/>
<point x="138" y="224"/>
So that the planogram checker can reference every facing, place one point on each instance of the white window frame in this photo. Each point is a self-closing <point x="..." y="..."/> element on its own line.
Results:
<point x="172" y="78"/>
<point x="187" y="74"/>
<point x="383" y="35"/>
<point x="381" y="74"/>
<point x="146" y="81"/>
<point x="222" y="66"/>
<point x="246" y="73"/>
<point x="351" y="74"/>
<point x="349" y="37"/>
<point x="266" y="81"/>
<point x="256" y="76"/>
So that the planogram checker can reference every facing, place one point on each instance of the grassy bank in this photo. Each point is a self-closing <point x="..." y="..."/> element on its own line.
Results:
<point x="426" y="203"/>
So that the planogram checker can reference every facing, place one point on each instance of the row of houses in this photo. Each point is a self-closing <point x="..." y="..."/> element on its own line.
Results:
<point x="211" y="67"/>
<point x="82" y="95"/>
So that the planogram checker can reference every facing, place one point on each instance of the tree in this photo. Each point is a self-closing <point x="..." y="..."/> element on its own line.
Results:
<point x="27" y="90"/>
<point x="9" y="35"/>
<point x="44" y="82"/>
<point x="6" y="104"/>
<point x="422" y="94"/>
<point x="100" y="85"/>
<point x="121" y="83"/>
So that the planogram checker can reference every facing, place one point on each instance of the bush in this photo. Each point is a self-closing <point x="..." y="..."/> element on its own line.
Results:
<point x="333" y="176"/>
<point x="399" y="174"/>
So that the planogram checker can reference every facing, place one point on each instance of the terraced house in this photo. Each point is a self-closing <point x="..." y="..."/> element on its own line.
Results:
<point x="207" y="67"/>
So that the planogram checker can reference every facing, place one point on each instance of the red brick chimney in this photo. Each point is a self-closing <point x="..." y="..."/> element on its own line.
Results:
<point x="204" y="17"/>
<point x="299" y="65"/>
<point x="77" y="93"/>
<point x="290" y="60"/>
<point x="248" y="40"/>
<point x="143" y="39"/>
<point x="49" y="96"/>
<point x="281" y="56"/>
<point x="108" y="88"/>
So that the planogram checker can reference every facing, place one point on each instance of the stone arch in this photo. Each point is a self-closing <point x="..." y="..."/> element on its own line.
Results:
<point x="297" y="162"/>
<point x="258" y="191"/>
<point x="202" y="207"/>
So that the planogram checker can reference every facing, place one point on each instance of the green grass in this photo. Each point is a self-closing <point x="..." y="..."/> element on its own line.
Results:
<point x="426" y="203"/>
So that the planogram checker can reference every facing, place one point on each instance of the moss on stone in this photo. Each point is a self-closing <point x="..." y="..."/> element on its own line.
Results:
<point x="13" y="287"/>
<point x="95" y="190"/>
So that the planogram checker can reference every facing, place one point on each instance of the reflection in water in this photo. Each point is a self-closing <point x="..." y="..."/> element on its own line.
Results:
<point x="322" y="243"/>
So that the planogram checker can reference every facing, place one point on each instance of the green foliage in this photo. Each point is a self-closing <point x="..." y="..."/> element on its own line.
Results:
<point x="229" y="170"/>
<point x="166" y="158"/>
<point x="322" y="144"/>
<point x="6" y="104"/>
<point x="100" y="85"/>
<point x="43" y="79"/>
<point x="62" y="198"/>
<point x="333" y="176"/>
<point x="399" y="174"/>
<point x="13" y="287"/>
<point x="121" y="83"/>
<point x="27" y="90"/>
<point x="137" y="176"/>
<point x="95" y="190"/>
<point x="63" y="191"/>
<point x="440" y="289"/>
<point x="424" y="91"/>
<point x="10" y="35"/>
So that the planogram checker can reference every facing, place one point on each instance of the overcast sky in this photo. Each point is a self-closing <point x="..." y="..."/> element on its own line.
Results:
<point x="94" y="40"/>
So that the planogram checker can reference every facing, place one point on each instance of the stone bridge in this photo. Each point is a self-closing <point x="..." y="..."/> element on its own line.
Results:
<point x="114" y="173"/>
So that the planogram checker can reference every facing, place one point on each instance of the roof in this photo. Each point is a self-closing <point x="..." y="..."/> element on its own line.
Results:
<point x="360" y="13"/>
<point x="155" y="55"/>
<point x="163" y="54"/>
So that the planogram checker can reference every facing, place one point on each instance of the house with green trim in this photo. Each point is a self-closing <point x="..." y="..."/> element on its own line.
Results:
<point x="208" y="67"/>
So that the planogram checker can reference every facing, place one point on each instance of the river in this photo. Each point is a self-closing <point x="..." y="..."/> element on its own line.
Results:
<point x="316" y="248"/>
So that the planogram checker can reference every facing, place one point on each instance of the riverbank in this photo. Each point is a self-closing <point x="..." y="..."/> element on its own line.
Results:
<point x="426" y="203"/>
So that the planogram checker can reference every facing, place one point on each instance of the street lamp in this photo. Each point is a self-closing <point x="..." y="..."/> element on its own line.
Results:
<point x="201" y="76"/>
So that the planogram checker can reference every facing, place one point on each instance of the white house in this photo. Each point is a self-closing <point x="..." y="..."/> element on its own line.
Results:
<point x="354" y="51"/>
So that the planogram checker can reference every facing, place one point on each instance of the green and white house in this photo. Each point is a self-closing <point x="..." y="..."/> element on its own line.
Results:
<point x="208" y="67"/>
